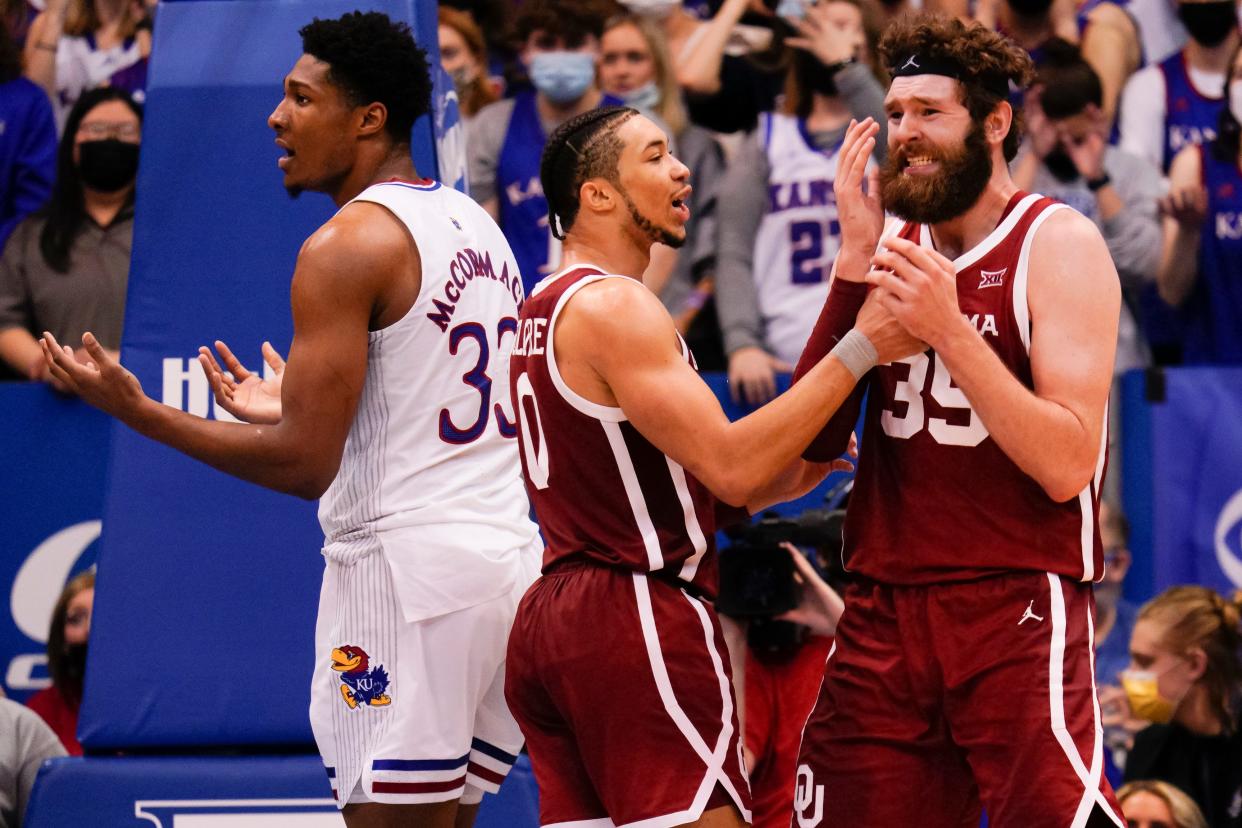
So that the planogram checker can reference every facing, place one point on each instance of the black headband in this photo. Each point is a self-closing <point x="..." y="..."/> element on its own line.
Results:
<point x="932" y="65"/>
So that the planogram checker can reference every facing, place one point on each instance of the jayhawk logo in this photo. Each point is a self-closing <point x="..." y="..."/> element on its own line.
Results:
<point x="359" y="684"/>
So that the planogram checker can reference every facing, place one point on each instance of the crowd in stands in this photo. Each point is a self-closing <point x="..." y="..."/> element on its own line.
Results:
<point x="1131" y="121"/>
<point x="1135" y="120"/>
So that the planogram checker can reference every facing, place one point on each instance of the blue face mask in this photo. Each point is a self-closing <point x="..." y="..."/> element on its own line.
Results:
<point x="562" y="77"/>
<point x="646" y="96"/>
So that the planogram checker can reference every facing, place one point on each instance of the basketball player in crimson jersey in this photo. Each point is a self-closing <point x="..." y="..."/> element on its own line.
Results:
<point x="962" y="669"/>
<point x="617" y="673"/>
<point x="428" y="540"/>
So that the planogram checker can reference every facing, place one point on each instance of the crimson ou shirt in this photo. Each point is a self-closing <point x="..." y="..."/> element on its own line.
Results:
<point x="599" y="488"/>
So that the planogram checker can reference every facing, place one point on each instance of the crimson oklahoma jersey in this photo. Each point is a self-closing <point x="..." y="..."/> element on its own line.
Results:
<point x="935" y="498"/>
<point x="601" y="490"/>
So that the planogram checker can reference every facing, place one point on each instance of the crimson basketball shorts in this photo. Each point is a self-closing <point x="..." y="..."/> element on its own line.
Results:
<point x="940" y="699"/>
<point x="621" y="685"/>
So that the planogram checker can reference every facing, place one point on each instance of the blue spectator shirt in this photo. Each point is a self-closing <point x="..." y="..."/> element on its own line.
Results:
<point x="1213" y="333"/>
<point x="27" y="152"/>
<point x="1190" y="116"/>
<point x="523" y="208"/>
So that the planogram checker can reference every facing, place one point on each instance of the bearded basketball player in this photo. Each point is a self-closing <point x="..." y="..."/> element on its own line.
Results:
<point x="962" y="670"/>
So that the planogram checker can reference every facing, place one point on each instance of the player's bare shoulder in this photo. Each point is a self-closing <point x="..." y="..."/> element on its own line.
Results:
<point x="1069" y="251"/>
<point x="1074" y="295"/>
<point x="362" y="251"/>
<point x="615" y="319"/>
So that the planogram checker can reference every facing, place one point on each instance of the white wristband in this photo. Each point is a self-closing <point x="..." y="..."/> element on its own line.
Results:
<point x="856" y="353"/>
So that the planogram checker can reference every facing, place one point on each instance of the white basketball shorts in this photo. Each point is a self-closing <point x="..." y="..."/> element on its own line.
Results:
<point x="411" y="712"/>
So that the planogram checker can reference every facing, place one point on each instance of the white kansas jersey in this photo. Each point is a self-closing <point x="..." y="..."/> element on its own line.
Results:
<point x="798" y="237"/>
<point x="430" y="474"/>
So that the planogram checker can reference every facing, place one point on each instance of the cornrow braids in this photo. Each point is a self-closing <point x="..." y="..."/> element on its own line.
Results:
<point x="584" y="147"/>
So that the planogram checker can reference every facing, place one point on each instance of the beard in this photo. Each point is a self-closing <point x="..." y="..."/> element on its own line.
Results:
<point x="954" y="189"/>
<point x="648" y="227"/>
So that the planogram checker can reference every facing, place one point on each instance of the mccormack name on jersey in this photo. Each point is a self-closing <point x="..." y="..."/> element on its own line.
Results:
<point x="467" y="265"/>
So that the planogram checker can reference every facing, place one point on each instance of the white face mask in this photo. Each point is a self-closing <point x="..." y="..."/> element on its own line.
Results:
<point x="652" y="8"/>
<point x="646" y="96"/>
<point x="1235" y="99"/>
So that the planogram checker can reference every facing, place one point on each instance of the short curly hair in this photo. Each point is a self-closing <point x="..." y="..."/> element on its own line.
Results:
<point x="573" y="21"/>
<point x="373" y="58"/>
<point x="584" y="147"/>
<point x="988" y="61"/>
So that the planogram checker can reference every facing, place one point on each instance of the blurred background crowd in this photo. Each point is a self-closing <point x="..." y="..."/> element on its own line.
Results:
<point x="1135" y="120"/>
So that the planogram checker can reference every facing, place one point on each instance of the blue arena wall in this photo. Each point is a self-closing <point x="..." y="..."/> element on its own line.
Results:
<point x="251" y="791"/>
<point x="1183" y="478"/>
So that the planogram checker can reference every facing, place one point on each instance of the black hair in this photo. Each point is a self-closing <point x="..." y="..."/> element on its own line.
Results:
<point x="1069" y="83"/>
<point x="573" y="21"/>
<point x="372" y="58"/>
<point x="10" y="57"/>
<point x="586" y="146"/>
<point x="66" y="209"/>
<point x="1228" y="142"/>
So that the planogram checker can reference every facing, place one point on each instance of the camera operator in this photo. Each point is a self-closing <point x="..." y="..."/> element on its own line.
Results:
<point x="789" y="613"/>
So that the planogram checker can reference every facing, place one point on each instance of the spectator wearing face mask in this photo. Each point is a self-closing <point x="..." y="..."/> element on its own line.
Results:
<point x="1177" y="102"/>
<point x="66" y="658"/>
<point x="1067" y="157"/>
<point x="464" y="57"/>
<point x="1156" y="804"/>
<point x="66" y="267"/>
<point x="559" y="46"/>
<point x="1185" y="676"/>
<point x="634" y="67"/>
<point x="1201" y="269"/>
<point x="778" y="225"/>
<point x="27" y="141"/>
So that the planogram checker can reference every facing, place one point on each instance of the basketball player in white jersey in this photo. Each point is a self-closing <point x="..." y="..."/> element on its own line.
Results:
<point x="403" y="305"/>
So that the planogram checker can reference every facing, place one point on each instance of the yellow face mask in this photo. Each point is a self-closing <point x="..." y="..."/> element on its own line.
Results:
<point x="1144" y="696"/>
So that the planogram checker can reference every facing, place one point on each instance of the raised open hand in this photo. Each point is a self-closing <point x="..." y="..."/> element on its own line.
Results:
<point x="247" y="396"/>
<point x="830" y="41"/>
<point x="859" y="209"/>
<point x="97" y="377"/>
